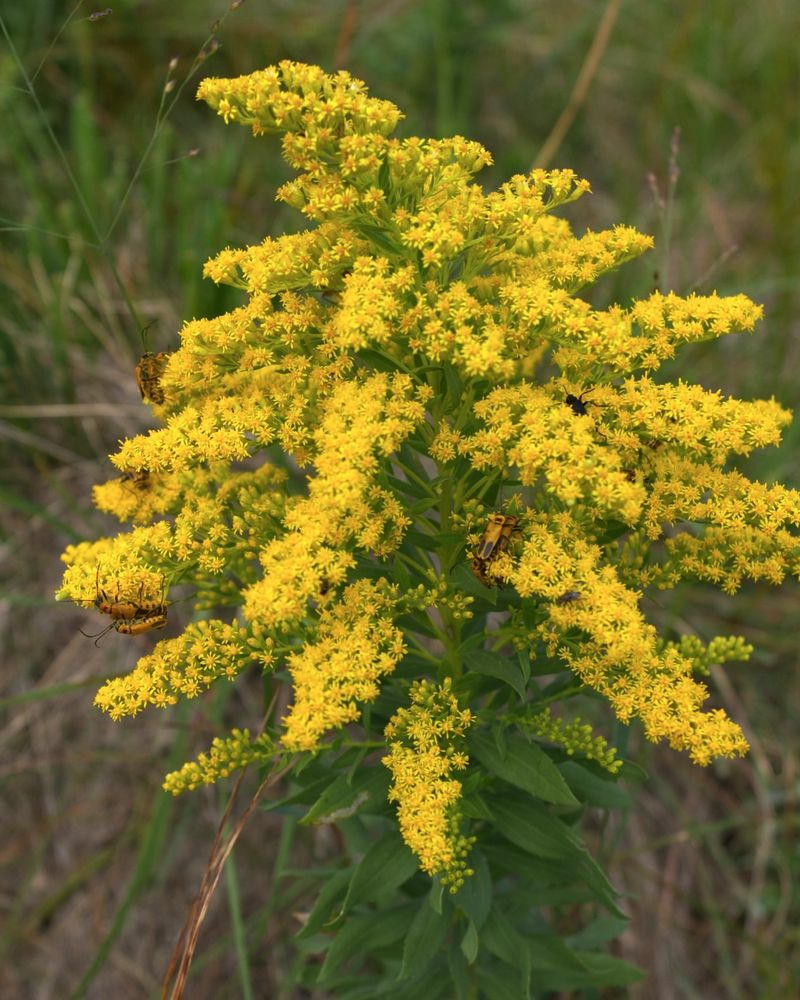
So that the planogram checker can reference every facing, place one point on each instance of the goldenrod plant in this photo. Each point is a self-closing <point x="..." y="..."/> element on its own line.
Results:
<point x="419" y="478"/>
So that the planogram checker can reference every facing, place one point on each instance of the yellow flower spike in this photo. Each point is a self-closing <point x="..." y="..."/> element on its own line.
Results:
<point x="224" y="756"/>
<point x="618" y="652"/>
<point x="206" y="652"/>
<point x="355" y="647"/>
<point x="422" y="743"/>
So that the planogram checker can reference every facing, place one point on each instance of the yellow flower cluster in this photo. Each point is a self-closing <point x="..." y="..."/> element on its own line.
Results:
<point x="300" y="100"/>
<point x="575" y="737"/>
<point x="595" y="626"/>
<point x="566" y="261"/>
<point x="221" y="526"/>
<point x="121" y="566"/>
<point x="317" y="258"/>
<point x="137" y="497"/>
<point x="371" y="305"/>
<point x="356" y="645"/>
<point x="225" y="756"/>
<point x="188" y="665"/>
<point x="533" y="429"/>
<point x="419" y="347"/>
<point x="424" y="751"/>
<point x="360" y="424"/>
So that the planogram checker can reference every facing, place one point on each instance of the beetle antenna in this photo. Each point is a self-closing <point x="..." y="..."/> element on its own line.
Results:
<point x="98" y="635"/>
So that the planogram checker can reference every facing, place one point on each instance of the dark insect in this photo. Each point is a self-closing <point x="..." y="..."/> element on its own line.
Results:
<point x="577" y="403"/>
<point x="569" y="597"/>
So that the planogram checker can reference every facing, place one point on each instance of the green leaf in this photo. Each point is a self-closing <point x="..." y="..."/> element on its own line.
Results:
<point x="469" y="943"/>
<point x="530" y="826"/>
<point x="632" y="772"/>
<point x="612" y="531"/>
<point x="459" y="974"/>
<point x="422" y="540"/>
<point x="502" y="983"/>
<point x="303" y="795"/>
<point x="530" y="951"/>
<point x="454" y="386"/>
<point x="502" y="938"/>
<point x="410" y="487"/>
<point x="524" y="660"/>
<point x="599" y="970"/>
<point x="387" y="864"/>
<point x="400" y="574"/>
<point x="532" y="614"/>
<point x="597" y="933"/>
<point x="594" y="789"/>
<point x="366" y="932"/>
<point x="437" y="896"/>
<point x="424" y="939"/>
<point x="322" y="911"/>
<point x="349" y="794"/>
<point x="378" y="236"/>
<point x="525" y="765"/>
<point x="543" y="666"/>
<point x="537" y="871"/>
<point x="418" y="623"/>
<point x="446" y="538"/>
<point x="475" y="895"/>
<point x="472" y="642"/>
<point x="472" y="806"/>
<point x="421" y="506"/>
<point x="380" y="362"/>
<point x="503" y="668"/>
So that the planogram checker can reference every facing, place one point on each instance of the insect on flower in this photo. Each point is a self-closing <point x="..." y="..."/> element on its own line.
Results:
<point x="130" y="617"/>
<point x="496" y="537"/>
<point x="569" y="597"/>
<point x="138" y="479"/>
<point x="577" y="403"/>
<point x="148" y="373"/>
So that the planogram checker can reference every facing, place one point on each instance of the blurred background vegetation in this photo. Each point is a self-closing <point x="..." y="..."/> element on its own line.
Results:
<point x="685" y="119"/>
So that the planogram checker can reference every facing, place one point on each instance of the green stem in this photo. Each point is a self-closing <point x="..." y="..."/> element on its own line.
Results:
<point x="481" y="486"/>
<point x="451" y="628"/>
<point x="424" y="571"/>
<point x="559" y="695"/>
<point x="423" y="483"/>
<point x="425" y="653"/>
<point x="363" y="744"/>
